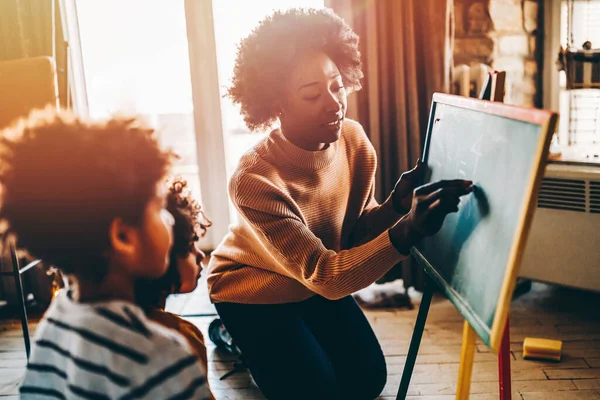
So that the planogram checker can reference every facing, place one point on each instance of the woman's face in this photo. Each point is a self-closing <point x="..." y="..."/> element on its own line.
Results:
<point x="190" y="269"/>
<point x="314" y="105"/>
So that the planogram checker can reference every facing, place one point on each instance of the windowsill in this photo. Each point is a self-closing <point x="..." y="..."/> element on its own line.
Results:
<point x="577" y="154"/>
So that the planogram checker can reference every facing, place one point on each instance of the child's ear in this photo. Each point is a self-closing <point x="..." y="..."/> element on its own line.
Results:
<point x="123" y="238"/>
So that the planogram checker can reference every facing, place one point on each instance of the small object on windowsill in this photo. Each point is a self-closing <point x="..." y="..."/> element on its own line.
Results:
<point x="555" y="155"/>
<point x="580" y="153"/>
<point x="555" y="152"/>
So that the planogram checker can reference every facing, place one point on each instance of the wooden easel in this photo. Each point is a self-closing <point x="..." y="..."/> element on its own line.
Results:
<point x="493" y="90"/>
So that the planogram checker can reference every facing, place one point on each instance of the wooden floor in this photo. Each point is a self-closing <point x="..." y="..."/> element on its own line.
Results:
<point x="549" y="312"/>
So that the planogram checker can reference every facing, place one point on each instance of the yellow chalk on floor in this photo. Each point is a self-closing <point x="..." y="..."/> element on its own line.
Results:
<point x="542" y="349"/>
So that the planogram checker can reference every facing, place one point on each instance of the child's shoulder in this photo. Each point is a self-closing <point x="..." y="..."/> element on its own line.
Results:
<point x="164" y="333"/>
<point x="109" y="319"/>
<point x="117" y="347"/>
<point x="174" y="322"/>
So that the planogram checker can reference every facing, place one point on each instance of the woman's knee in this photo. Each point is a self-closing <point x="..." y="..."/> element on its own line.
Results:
<point x="376" y="382"/>
<point x="367" y="382"/>
<point x="367" y="388"/>
<point x="290" y="385"/>
<point x="377" y="376"/>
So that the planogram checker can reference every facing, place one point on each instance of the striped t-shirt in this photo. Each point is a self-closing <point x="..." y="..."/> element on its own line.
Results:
<point x="109" y="350"/>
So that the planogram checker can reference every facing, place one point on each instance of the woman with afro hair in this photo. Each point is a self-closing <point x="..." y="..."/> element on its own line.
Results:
<point x="311" y="232"/>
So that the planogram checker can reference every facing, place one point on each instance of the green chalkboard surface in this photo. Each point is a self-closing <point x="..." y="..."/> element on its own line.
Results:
<point x="475" y="257"/>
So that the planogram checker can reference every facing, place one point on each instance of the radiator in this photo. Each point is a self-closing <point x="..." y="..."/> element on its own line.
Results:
<point x="564" y="241"/>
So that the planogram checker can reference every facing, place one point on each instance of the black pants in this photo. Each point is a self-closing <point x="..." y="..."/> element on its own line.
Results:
<point x="312" y="350"/>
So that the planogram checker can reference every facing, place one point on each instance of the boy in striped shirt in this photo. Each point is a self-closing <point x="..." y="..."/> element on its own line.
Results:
<point x="87" y="197"/>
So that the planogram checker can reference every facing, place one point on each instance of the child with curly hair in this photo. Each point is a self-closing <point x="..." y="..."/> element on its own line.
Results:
<point x="88" y="197"/>
<point x="184" y="267"/>
<point x="311" y="232"/>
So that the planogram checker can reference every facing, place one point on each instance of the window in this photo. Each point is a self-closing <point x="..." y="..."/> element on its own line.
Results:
<point x="579" y="109"/>
<point x="171" y="61"/>
<point x="140" y="65"/>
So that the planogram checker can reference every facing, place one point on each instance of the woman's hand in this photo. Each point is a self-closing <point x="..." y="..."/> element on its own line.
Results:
<point x="431" y="204"/>
<point x="402" y="195"/>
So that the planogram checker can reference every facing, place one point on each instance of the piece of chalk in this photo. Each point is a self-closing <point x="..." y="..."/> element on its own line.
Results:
<point x="542" y="349"/>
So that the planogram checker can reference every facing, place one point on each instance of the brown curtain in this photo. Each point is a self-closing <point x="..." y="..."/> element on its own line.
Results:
<point x="406" y="50"/>
<point x="32" y="28"/>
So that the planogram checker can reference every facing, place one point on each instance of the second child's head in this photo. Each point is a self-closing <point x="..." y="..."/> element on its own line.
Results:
<point x="86" y="196"/>
<point x="185" y="257"/>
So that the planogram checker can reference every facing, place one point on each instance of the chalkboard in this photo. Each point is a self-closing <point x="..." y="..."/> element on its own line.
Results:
<point x="475" y="257"/>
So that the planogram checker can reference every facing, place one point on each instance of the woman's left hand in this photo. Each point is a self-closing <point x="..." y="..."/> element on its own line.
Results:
<point x="402" y="194"/>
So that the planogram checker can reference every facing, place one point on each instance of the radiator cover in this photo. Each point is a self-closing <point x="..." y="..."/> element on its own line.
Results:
<point x="564" y="241"/>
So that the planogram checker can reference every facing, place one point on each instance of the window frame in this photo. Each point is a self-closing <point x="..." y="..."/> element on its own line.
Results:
<point x="75" y="72"/>
<point x="551" y="78"/>
<point x="210" y="149"/>
<point x="552" y="90"/>
<point x="208" y="122"/>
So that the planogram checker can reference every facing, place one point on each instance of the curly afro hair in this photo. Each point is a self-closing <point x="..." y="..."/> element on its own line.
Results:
<point x="267" y="55"/>
<point x="63" y="180"/>
<point x="190" y="221"/>
<point x="190" y="224"/>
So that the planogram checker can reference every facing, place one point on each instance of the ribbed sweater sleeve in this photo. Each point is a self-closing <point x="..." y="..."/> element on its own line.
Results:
<point x="374" y="220"/>
<point x="275" y="218"/>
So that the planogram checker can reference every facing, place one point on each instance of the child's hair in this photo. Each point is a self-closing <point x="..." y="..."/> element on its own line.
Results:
<point x="267" y="55"/>
<point x="63" y="180"/>
<point x="190" y="224"/>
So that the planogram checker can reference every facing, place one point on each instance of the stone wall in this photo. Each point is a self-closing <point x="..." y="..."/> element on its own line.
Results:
<point x="502" y="34"/>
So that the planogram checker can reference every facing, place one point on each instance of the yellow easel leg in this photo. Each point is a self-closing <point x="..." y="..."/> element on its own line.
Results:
<point x="466" y="363"/>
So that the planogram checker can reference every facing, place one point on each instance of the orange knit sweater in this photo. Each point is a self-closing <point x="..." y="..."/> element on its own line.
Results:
<point x="309" y="223"/>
